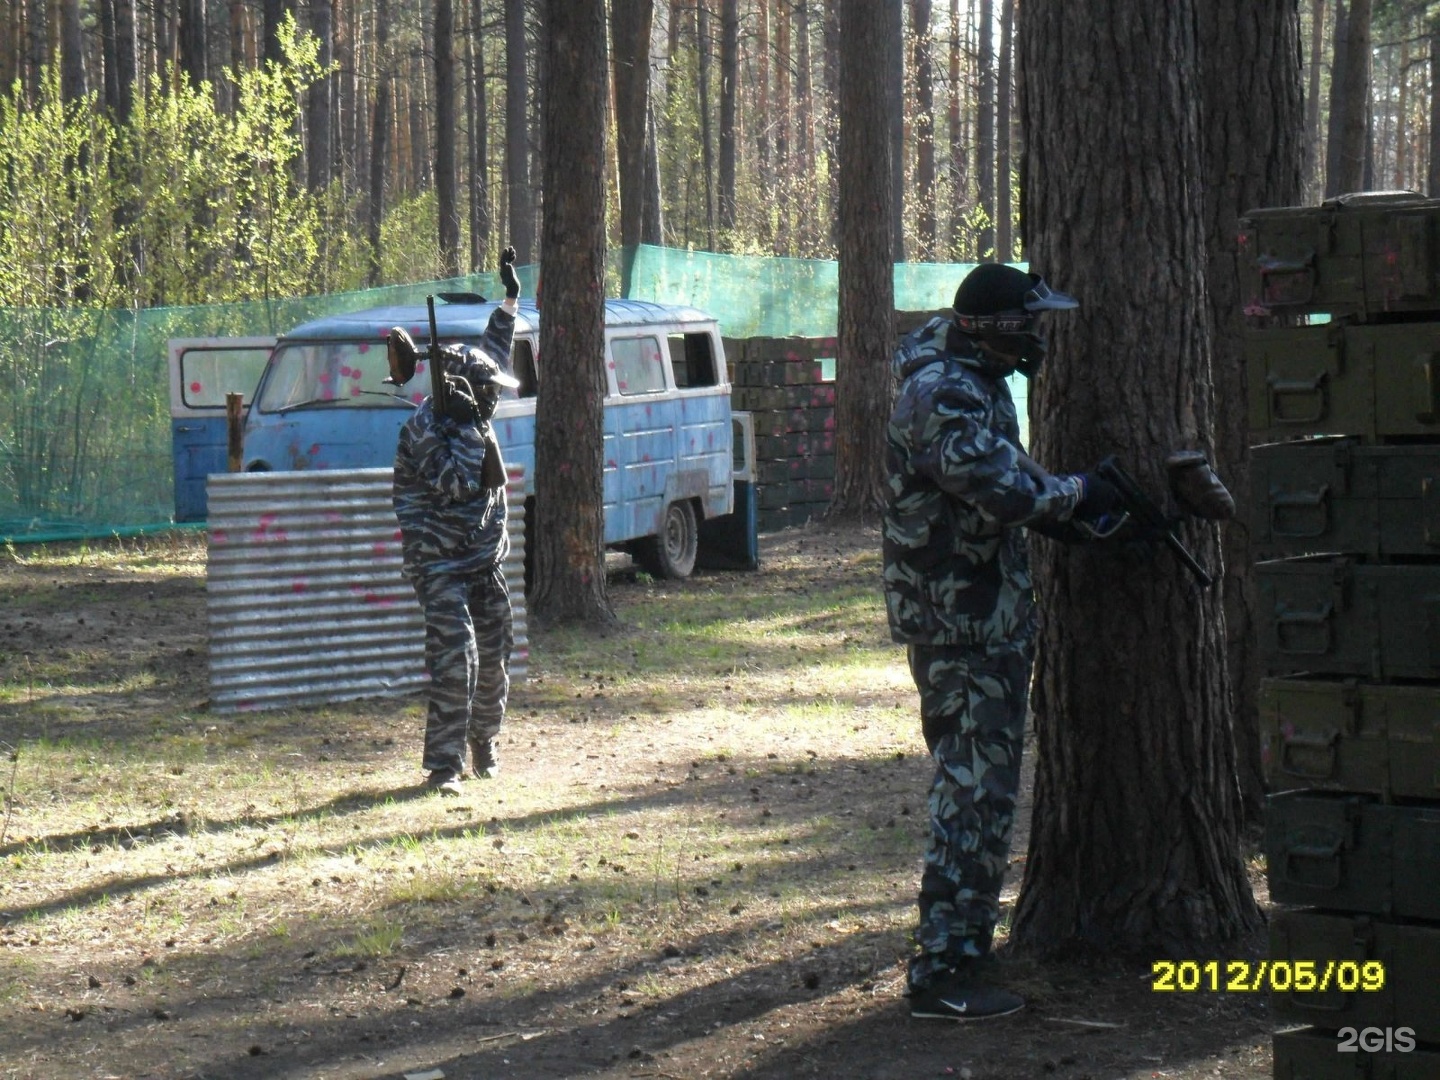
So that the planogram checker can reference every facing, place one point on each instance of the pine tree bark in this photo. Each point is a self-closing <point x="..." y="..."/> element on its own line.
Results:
<point x="729" y="77"/>
<point x="517" y="136"/>
<point x="72" y="52"/>
<point x="1432" y="27"/>
<point x="320" y="106"/>
<point x="1004" y="95"/>
<point x="568" y="537"/>
<point x="707" y="137"/>
<point x="379" y="137"/>
<point x="630" y="25"/>
<point x="447" y="202"/>
<point x="1314" y="180"/>
<point x="477" y="157"/>
<point x="810" y="206"/>
<point x="894" y="53"/>
<point x="956" y="126"/>
<point x="274" y="13"/>
<point x="1135" y="842"/>
<point x="985" y="134"/>
<point x="863" y="385"/>
<point x="1250" y="75"/>
<point x="922" y="54"/>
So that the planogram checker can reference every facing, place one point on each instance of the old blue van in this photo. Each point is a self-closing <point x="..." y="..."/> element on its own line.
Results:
<point x="320" y="402"/>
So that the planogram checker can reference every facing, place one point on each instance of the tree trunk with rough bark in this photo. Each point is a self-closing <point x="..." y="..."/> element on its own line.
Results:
<point x="863" y="386"/>
<point x="922" y="53"/>
<point x="1249" y="53"/>
<point x="1135" y="843"/>
<point x="517" y="137"/>
<point x="569" y="522"/>
<point x="630" y="31"/>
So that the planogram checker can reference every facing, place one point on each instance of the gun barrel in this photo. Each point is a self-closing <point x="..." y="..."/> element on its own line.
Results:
<point x="437" y="368"/>
<point x="1144" y="510"/>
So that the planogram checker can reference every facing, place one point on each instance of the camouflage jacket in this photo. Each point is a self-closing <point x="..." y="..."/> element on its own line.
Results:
<point x="450" y="523"/>
<point x="957" y="568"/>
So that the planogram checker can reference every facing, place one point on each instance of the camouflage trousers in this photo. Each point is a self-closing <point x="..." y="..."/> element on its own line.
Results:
<point x="972" y="707"/>
<point x="468" y="636"/>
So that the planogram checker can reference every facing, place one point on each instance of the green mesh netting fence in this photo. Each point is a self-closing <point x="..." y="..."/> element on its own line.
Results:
<point x="85" y="441"/>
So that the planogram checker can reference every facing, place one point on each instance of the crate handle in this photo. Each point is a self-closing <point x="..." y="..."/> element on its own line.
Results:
<point x="1286" y="294"/>
<point x="1330" y="853"/>
<point x="1429" y="391"/>
<point x="1309" y="742"/>
<point x="1301" y="501"/>
<point x="1304" y="620"/>
<point x="1281" y="388"/>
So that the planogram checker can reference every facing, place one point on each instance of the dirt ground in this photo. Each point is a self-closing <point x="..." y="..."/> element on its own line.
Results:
<point x="87" y="1004"/>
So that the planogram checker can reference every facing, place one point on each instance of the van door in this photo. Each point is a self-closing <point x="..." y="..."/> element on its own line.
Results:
<point x="640" y="442"/>
<point x="202" y="372"/>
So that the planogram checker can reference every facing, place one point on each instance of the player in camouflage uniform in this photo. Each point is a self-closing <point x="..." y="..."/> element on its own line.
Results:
<point x="450" y="499"/>
<point x="957" y="592"/>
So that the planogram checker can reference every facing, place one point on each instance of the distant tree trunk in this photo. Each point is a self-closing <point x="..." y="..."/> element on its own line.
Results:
<point x="956" y="128"/>
<point x="379" y="137"/>
<point x="985" y="134"/>
<point x="568" y="538"/>
<point x="832" y="118"/>
<point x="517" y="137"/>
<point x="72" y="52"/>
<point x="1355" y="129"/>
<point x="275" y="12"/>
<point x="894" y="68"/>
<point x="320" y="108"/>
<point x="1252" y="112"/>
<point x="1314" y="178"/>
<point x="630" y="24"/>
<point x="10" y="33"/>
<point x="924" y="128"/>
<point x="1004" y="89"/>
<point x="1433" y="177"/>
<point x="729" y="77"/>
<point x="863" y="385"/>
<point x="810" y="208"/>
<point x="36" y="47"/>
<point x="478" y="152"/>
<point x="763" y="126"/>
<point x="111" y="89"/>
<point x="1135" y="847"/>
<point x="1402" y="107"/>
<point x="447" y="202"/>
<point x="707" y="139"/>
<point x="653" y="231"/>
<point x="784" y="121"/>
<point x="192" y="34"/>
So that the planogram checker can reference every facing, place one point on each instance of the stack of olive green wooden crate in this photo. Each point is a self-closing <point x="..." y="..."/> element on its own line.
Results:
<point x="781" y="383"/>
<point x="1343" y="362"/>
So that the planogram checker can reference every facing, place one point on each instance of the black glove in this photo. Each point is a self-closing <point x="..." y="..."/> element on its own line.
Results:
<point x="507" y="273"/>
<point x="460" y="404"/>
<point x="1098" y="497"/>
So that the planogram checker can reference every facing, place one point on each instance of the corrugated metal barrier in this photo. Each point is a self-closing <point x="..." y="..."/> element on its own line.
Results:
<point x="306" y="601"/>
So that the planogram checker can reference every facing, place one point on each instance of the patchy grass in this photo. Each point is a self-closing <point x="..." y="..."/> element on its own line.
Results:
<point x="699" y="858"/>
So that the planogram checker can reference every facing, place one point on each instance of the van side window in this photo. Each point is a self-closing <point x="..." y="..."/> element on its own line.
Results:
<point x="639" y="365"/>
<point x="693" y="359"/>
<point x="522" y="366"/>
<point x="207" y="374"/>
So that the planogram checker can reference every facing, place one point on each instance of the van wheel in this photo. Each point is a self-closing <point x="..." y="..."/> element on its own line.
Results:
<point x="672" y="553"/>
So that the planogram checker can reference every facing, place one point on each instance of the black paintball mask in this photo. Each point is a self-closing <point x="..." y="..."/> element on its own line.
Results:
<point x="487" y="381"/>
<point x="998" y="307"/>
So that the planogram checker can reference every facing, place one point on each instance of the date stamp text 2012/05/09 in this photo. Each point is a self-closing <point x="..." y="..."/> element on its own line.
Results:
<point x="1254" y="976"/>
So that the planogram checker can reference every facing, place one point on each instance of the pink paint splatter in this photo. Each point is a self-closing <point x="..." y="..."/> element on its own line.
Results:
<point x="314" y="449"/>
<point x="364" y="347"/>
<point x="380" y="548"/>
<point x="344" y="371"/>
<point x="196" y="387"/>
<point x="219" y="536"/>
<point x="298" y="586"/>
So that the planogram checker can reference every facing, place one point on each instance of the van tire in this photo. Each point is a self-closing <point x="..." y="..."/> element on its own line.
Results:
<point x="671" y="554"/>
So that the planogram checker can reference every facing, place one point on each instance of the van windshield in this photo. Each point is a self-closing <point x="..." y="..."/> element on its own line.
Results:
<point x="334" y="374"/>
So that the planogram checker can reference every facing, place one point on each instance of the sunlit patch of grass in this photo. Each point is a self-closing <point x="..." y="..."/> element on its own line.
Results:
<point x="377" y="939"/>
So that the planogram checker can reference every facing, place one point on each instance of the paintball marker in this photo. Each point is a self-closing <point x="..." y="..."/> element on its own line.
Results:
<point x="439" y="385"/>
<point x="1150" y="517"/>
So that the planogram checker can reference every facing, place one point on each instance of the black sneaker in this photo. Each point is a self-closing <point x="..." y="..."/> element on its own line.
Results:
<point x="445" y="781"/>
<point x="957" y="997"/>
<point x="483" y="762"/>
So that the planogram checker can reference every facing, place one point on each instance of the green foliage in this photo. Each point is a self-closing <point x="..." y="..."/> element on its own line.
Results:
<point x="56" y="200"/>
